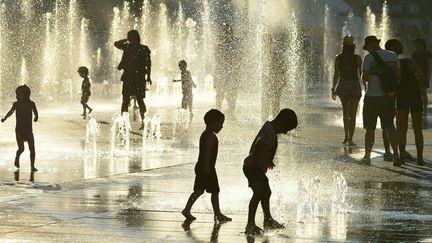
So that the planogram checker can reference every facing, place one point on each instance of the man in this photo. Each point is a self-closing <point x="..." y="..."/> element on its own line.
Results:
<point x="136" y="64"/>
<point x="378" y="103"/>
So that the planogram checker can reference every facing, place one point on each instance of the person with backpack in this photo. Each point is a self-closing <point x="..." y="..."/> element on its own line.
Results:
<point x="381" y="72"/>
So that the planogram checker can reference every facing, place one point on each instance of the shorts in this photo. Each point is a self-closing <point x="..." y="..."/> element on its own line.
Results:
<point x="85" y="99"/>
<point x="378" y="106"/>
<point x="206" y="182"/>
<point x="24" y="136"/>
<point x="348" y="89"/>
<point x="414" y="104"/>
<point x="254" y="175"/>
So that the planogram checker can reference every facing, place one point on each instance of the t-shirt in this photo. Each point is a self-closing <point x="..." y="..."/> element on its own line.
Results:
<point x="202" y="151"/>
<point x="369" y="65"/>
<point x="268" y="136"/>
<point x="85" y="87"/>
<point x="23" y="114"/>
<point x="187" y="82"/>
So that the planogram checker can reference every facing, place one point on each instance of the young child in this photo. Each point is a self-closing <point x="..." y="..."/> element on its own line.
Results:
<point x="205" y="172"/>
<point x="24" y="130"/>
<point x="85" y="87"/>
<point x="187" y="85"/>
<point x="255" y="166"/>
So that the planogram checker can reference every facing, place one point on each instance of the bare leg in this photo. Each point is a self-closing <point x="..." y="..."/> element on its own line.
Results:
<point x="369" y="142"/>
<point x="418" y="134"/>
<point x="32" y="152"/>
<point x="402" y="127"/>
<point x="392" y="135"/>
<point x="425" y="100"/>
<point x="20" y="143"/>
<point x="353" y="117"/>
<point x="346" y="119"/>
<point x="192" y="199"/>
<point x="125" y="103"/>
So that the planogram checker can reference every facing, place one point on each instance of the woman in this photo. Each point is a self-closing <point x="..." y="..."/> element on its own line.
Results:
<point x="423" y="58"/>
<point x="409" y="100"/>
<point x="346" y="79"/>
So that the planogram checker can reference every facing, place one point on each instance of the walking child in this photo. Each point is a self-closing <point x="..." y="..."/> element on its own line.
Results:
<point x="24" y="130"/>
<point x="85" y="88"/>
<point x="205" y="173"/>
<point x="187" y="85"/>
<point x="255" y="166"/>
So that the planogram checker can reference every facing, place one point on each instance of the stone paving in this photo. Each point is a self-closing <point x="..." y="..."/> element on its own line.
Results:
<point x="77" y="197"/>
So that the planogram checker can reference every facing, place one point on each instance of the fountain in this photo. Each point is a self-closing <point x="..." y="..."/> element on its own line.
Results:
<point x="339" y="191"/>
<point x="152" y="134"/>
<point x="181" y="122"/>
<point x="24" y="77"/>
<point x="120" y="135"/>
<point x="307" y="198"/>
<point x="92" y="131"/>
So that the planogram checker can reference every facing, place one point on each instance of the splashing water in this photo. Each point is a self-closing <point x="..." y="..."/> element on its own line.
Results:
<point x="307" y="204"/>
<point x="339" y="191"/>
<point x="91" y="136"/>
<point x="181" y="122"/>
<point x="152" y="133"/>
<point x="120" y="131"/>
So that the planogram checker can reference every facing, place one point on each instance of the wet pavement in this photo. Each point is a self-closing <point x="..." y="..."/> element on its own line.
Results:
<point x="84" y="197"/>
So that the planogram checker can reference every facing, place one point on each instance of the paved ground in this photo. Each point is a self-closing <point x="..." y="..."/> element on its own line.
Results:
<point x="81" y="197"/>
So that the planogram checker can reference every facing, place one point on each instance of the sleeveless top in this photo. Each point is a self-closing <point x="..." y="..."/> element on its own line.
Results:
<point x="409" y="85"/>
<point x="202" y="147"/>
<point x="349" y="84"/>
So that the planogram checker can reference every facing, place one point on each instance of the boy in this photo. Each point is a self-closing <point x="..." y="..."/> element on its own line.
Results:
<point x="255" y="166"/>
<point x="187" y="84"/>
<point x="205" y="172"/>
<point x="85" y="88"/>
<point x="23" y="130"/>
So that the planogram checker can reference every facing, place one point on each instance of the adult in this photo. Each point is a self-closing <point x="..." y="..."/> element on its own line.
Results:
<point x="409" y="100"/>
<point x="346" y="85"/>
<point x="424" y="59"/>
<point x="136" y="66"/>
<point x="377" y="102"/>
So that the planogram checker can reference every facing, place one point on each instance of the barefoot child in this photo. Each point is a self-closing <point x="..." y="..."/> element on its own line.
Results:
<point x="205" y="172"/>
<point x="187" y="85"/>
<point x="255" y="166"/>
<point x="85" y="88"/>
<point x="23" y="130"/>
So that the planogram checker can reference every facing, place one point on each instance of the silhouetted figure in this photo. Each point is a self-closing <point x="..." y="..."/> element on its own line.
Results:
<point x="205" y="172"/>
<point x="24" y="127"/>
<point x="226" y="81"/>
<point x="377" y="102"/>
<point x="136" y="66"/>
<point x="259" y="160"/>
<point x="409" y="100"/>
<point x="275" y="76"/>
<point x="187" y="85"/>
<point x="423" y="58"/>
<point x="85" y="90"/>
<point x="346" y="85"/>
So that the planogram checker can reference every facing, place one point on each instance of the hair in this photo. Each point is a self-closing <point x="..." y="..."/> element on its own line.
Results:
<point x="420" y="42"/>
<point x="213" y="115"/>
<point x="133" y="36"/>
<point x="394" y="45"/>
<point x="182" y="63"/>
<point x="288" y="117"/>
<point x="24" y="90"/>
<point x="348" y="49"/>
<point x="83" y="70"/>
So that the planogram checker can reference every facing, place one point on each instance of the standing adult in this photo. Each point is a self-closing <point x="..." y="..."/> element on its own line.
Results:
<point x="377" y="102"/>
<point x="424" y="59"/>
<point x="136" y="66"/>
<point x="346" y="85"/>
<point x="409" y="100"/>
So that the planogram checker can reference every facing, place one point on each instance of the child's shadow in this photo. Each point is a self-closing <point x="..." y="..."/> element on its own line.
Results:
<point x="214" y="235"/>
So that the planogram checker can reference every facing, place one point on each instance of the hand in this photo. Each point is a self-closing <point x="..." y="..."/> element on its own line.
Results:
<point x="35" y="119"/>
<point x="333" y="94"/>
<point x="149" y="81"/>
<point x="3" y="120"/>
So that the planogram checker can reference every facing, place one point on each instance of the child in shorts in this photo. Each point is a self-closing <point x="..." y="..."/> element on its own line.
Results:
<point x="85" y="88"/>
<point x="187" y="85"/>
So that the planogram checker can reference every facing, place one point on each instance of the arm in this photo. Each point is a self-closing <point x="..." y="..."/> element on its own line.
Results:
<point x="428" y="75"/>
<point x="260" y="147"/>
<point x="121" y="44"/>
<point x="12" y="110"/>
<point x="211" y="141"/>
<point x="35" y="112"/>
<point x="398" y="71"/>
<point x="359" y="68"/>
<point x="148" y="65"/>
<point x="418" y="72"/>
<point x="335" y="77"/>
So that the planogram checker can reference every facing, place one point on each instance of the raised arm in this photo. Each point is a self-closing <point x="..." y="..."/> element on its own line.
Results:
<point x="12" y="110"/>
<point x="121" y="44"/>
<point x="35" y="112"/>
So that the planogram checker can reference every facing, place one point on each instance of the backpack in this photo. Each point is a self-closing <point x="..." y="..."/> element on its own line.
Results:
<point x="386" y="75"/>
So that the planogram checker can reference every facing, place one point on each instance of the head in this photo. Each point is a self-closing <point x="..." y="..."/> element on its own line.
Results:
<point x="182" y="65"/>
<point x="214" y="120"/>
<point x="348" y="45"/>
<point x="83" y="71"/>
<point x="394" y="45"/>
<point x="420" y="44"/>
<point x="133" y="37"/>
<point x="285" y="121"/>
<point x="23" y="93"/>
<point x="371" y="43"/>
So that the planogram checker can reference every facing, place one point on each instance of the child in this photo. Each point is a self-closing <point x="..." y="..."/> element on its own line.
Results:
<point x="85" y="87"/>
<point x="187" y="84"/>
<point x="23" y="130"/>
<point x="255" y="166"/>
<point x="205" y="172"/>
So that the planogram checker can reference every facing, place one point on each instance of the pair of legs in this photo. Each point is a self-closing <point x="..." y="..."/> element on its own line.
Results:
<point x="85" y="106"/>
<point x="402" y="125"/>
<point x="425" y="99"/>
<point x="141" y="104"/>
<point x="21" y="138"/>
<point x="391" y="135"/>
<point x="187" y="103"/>
<point x="349" y="107"/>
<point x="215" y="204"/>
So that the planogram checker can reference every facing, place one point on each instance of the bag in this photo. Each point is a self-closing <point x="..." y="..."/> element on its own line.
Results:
<point x="386" y="75"/>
